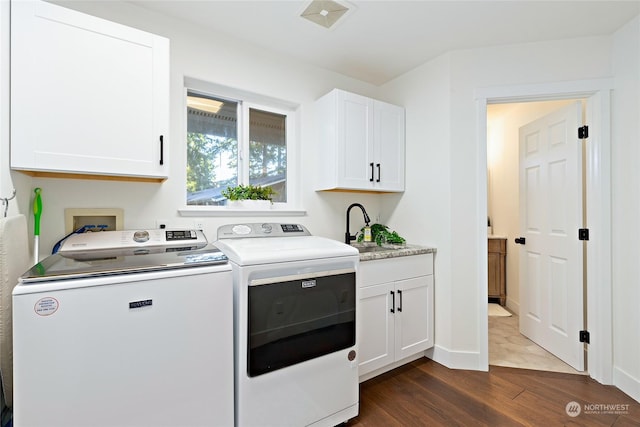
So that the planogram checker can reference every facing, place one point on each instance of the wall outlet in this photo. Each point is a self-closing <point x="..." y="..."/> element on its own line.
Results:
<point x="175" y="224"/>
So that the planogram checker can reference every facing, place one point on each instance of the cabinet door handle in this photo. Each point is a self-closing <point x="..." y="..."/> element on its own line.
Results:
<point x="378" y="165"/>
<point x="161" y="150"/>
<point x="400" y="295"/>
<point x="393" y="302"/>
<point x="371" y="164"/>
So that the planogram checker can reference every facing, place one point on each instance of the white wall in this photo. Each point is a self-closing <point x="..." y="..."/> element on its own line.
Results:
<point x="447" y="140"/>
<point x="503" y="124"/>
<point x="422" y="213"/>
<point x="4" y="100"/>
<point x="223" y="60"/>
<point x="626" y="208"/>
<point x="449" y="143"/>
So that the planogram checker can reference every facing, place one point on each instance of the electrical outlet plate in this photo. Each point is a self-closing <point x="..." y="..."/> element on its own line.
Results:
<point x="74" y="218"/>
<point x="176" y="224"/>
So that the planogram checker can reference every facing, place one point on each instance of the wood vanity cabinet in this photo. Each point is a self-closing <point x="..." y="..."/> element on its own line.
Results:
<point x="497" y="253"/>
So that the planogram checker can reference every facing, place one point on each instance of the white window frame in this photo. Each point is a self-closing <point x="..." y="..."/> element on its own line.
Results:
<point x="247" y="100"/>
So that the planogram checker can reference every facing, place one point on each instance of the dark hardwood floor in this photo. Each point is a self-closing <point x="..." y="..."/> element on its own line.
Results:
<point x="425" y="393"/>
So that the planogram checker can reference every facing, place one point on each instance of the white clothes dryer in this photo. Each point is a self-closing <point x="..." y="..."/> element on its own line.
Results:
<point x="295" y="299"/>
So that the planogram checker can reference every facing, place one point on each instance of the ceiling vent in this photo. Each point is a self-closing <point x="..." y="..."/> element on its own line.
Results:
<point x="324" y="12"/>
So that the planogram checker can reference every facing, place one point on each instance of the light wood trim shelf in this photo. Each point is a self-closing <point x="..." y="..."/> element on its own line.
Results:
<point x="66" y="175"/>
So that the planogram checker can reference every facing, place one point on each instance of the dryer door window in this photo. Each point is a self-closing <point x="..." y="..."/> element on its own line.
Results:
<point x="293" y="321"/>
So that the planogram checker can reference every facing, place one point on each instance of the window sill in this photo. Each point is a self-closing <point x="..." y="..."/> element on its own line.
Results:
<point x="205" y="211"/>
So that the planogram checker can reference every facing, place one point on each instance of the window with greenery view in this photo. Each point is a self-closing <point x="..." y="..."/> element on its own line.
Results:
<point x="230" y="142"/>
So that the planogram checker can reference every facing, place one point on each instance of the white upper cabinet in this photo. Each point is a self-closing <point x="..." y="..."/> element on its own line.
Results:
<point x="361" y="143"/>
<point x="88" y="96"/>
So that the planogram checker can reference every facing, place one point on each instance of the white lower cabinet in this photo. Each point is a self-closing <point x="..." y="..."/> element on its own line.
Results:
<point x="396" y="311"/>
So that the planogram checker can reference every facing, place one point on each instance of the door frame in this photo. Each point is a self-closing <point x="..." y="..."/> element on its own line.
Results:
<point x="598" y="190"/>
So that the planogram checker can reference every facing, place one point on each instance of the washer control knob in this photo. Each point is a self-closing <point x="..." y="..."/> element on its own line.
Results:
<point x="140" y="236"/>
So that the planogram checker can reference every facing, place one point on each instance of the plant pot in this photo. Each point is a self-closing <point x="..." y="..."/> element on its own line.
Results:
<point x="249" y="204"/>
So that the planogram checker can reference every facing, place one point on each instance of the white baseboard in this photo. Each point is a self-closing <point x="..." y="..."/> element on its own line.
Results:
<point x="455" y="359"/>
<point x="514" y="306"/>
<point x="626" y="383"/>
<point x="450" y="359"/>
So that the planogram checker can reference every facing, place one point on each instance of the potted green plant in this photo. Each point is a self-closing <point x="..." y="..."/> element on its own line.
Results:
<point x="249" y="196"/>
<point x="382" y="236"/>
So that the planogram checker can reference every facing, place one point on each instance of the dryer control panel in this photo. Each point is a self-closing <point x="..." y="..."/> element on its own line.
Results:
<point x="261" y="229"/>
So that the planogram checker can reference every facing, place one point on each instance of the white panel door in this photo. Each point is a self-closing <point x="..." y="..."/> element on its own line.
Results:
<point x="389" y="147"/>
<point x="375" y="341"/>
<point x="413" y="323"/>
<point x="356" y="140"/>
<point x="551" y="260"/>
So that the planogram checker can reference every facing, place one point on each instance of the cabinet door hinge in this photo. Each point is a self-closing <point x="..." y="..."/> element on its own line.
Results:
<point x="583" y="132"/>
<point x="584" y="337"/>
<point x="583" y="234"/>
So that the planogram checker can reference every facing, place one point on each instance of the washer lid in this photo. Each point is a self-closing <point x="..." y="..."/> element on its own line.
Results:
<point x="72" y="265"/>
<point x="253" y="251"/>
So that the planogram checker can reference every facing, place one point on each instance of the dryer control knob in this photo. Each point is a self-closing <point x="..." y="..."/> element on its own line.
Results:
<point x="241" y="229"/>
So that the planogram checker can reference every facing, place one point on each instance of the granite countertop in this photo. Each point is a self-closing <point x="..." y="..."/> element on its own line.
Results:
<point x="392" y="251"/>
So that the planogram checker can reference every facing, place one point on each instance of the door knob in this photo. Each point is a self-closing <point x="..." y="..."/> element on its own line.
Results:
<point x="520" y="240"/>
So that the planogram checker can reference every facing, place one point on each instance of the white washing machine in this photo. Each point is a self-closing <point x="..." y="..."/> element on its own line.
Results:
<point x="295" y="299"/>
<point x="125" y="328"/>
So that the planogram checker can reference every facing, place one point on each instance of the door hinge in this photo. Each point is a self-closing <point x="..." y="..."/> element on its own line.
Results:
<point x="583" y="132"/>
<point x="583" y="234"/>
<point x="585" y="337"/>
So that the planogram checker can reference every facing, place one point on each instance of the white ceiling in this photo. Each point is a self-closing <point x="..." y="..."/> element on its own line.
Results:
<point x="380" y="40"/>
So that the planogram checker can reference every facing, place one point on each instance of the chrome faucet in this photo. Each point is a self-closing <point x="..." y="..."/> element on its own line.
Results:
<point x="347" y="236"/>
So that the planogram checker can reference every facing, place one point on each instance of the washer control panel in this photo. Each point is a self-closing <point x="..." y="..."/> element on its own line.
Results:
<point x="261" y="229"/>
<point x="173" y="235"/>
<point x="121" y="239"/>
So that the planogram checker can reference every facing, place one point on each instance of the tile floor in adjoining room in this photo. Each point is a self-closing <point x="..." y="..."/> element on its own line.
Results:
<point x="507" y="347"/>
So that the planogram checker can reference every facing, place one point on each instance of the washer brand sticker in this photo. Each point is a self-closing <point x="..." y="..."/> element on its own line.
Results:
<point x="46" y="306"/>
<point x="142" y="303"/>
<point x="308" y="283"/>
